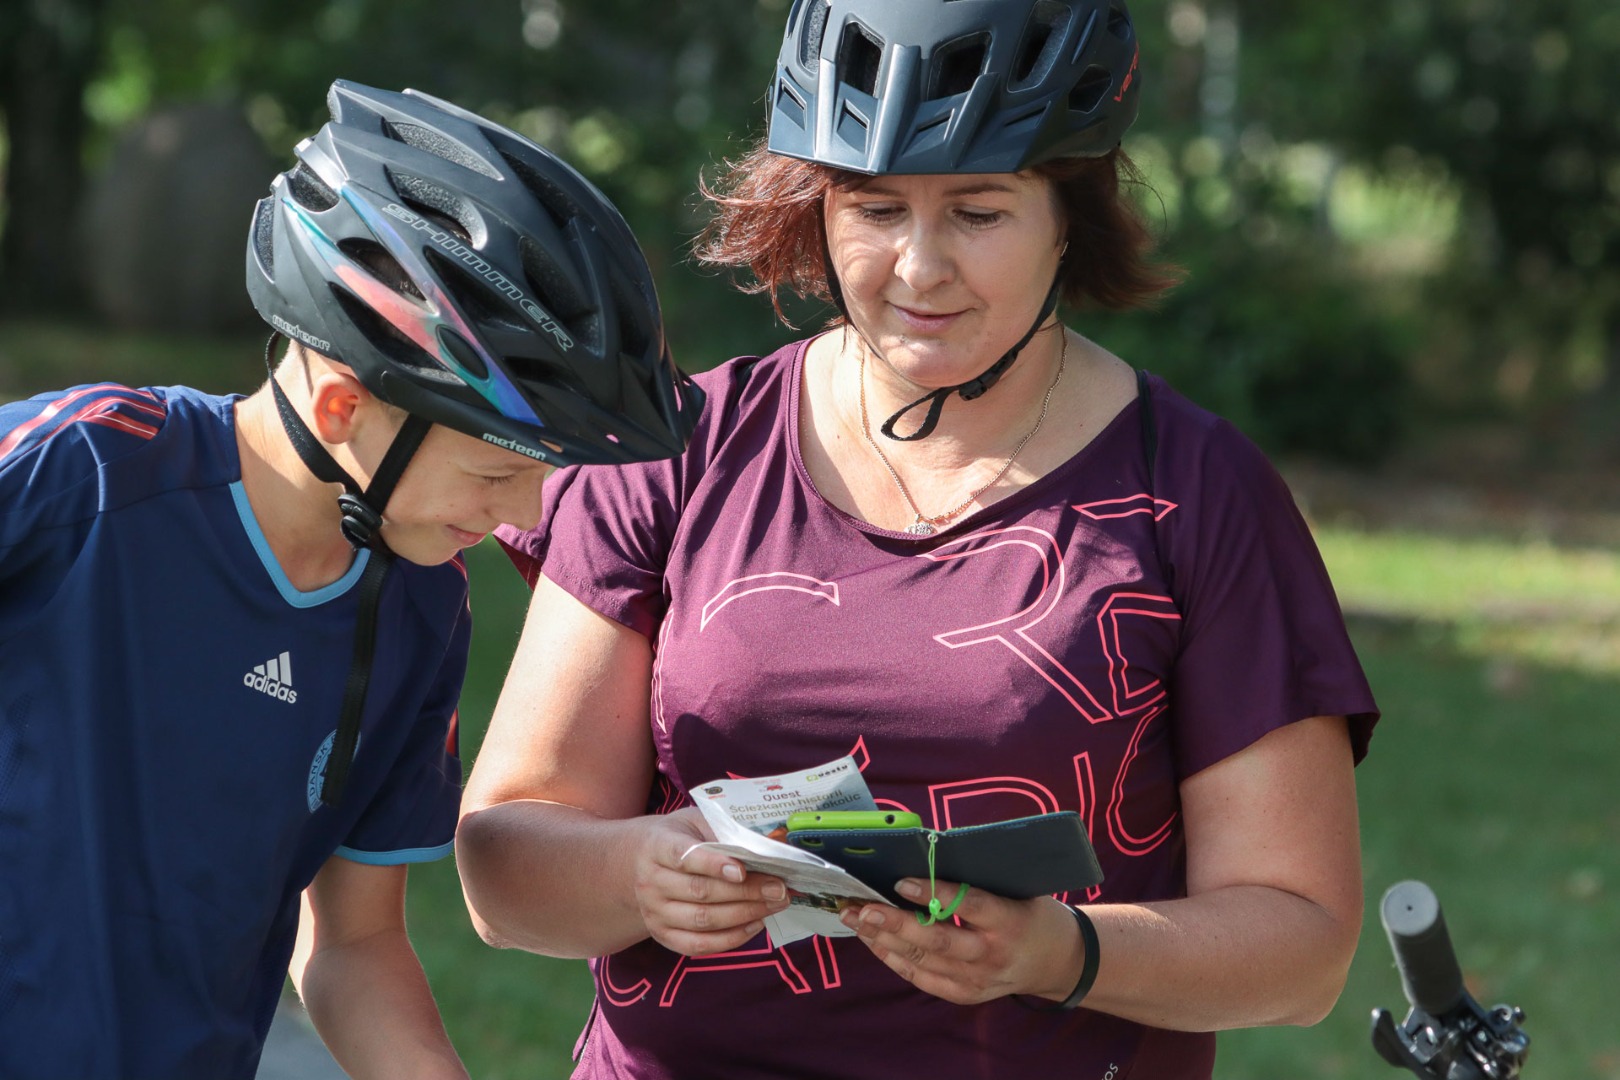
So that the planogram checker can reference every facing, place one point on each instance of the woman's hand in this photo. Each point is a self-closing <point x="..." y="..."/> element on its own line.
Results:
<point x="703" y="902"/>
<point x="1001" y="946"/>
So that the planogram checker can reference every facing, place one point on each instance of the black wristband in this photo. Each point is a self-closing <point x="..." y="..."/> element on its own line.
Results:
<point x="1088" y="967"/>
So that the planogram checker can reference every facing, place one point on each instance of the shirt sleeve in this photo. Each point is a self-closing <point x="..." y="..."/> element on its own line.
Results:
<point x="1264" y="642"/>
<point x="412" y="818"/>
<point x="604" y="537"/>
<point x="53" y="449"/>
<point x="606" y="532"/>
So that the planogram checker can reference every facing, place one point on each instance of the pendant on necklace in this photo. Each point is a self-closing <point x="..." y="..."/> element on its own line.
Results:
<point x="920" y="528"/>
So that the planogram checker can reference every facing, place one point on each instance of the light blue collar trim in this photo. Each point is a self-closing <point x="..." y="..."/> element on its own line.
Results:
<point x="262" y="546"/>
<point x="400" y="857"/>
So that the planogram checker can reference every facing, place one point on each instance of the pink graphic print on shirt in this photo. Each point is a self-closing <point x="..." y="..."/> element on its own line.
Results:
<point x="1127" y="690"/>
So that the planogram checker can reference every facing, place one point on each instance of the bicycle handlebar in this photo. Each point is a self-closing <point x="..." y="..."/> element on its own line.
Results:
<point x="1446" y="1035"/>
<point x="1416" y="929"/>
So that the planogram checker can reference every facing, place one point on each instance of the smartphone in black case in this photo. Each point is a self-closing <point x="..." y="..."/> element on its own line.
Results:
<point x="1019" y="859"/>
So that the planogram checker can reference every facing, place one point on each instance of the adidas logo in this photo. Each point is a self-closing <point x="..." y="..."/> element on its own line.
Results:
<point x="273" y="677"/>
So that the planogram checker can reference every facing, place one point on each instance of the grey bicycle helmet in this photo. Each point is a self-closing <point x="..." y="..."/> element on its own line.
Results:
<point x="471" y="278"/>
<point x="953" y="86"/>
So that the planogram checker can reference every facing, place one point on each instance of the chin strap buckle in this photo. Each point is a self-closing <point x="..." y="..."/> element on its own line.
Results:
<point x="360" y="523"/>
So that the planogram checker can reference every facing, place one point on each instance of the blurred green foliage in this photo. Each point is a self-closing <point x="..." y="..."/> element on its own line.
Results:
<point x="1390" y="212"/>
<point x="1512" y="107"/>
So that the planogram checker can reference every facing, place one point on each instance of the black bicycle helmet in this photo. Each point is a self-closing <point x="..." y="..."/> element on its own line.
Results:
<point x="471" y="278"/>
<point x="953" y="86"/>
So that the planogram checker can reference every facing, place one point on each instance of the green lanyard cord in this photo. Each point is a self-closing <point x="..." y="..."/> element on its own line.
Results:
<point x="936" y="910"/>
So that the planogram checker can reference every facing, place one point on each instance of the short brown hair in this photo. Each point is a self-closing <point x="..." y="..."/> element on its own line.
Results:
<point x="768" y="221"/>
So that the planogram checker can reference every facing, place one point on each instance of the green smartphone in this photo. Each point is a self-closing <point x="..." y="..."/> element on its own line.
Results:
<point x="853" y="819"/>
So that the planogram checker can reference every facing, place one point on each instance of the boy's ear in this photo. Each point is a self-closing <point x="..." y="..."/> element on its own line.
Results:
<point x="339" y="402"/>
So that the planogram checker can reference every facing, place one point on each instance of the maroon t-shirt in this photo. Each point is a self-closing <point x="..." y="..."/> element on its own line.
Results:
<point x="1084" y="644"/>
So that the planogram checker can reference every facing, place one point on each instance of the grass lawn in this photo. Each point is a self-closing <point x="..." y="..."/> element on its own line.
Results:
<point x="1492" y="777"/>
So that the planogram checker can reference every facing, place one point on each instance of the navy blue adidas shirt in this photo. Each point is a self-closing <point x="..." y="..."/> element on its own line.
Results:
<point x="167" y="703"/>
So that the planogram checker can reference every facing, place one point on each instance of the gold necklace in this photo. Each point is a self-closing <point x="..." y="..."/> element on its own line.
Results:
<point x="925" y="525"/>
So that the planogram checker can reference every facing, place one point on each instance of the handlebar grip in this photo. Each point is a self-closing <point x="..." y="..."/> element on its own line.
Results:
<point x="1417" y="935"/>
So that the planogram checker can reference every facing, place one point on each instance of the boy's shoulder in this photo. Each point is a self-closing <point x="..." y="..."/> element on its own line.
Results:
<point x="114" y="439"/>
<point x="76" y="414"/>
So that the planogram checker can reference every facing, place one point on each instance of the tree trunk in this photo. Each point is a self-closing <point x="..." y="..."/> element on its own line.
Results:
<point x="48" y="51"/>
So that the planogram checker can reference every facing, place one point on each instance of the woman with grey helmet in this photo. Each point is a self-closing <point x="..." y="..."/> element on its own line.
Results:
<point x="955" y="539"/>
<point x="233" y="629"/>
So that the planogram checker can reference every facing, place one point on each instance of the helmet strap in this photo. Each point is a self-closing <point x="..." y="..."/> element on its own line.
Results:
<point x="362" y="509"/>
<point x="969" y="390"/>
<point x="362" y="524"/>
<point x="973" y="387"/>
<point x="833" y="288"/>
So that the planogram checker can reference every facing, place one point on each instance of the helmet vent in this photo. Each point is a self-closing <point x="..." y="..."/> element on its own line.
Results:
<point x="309" y="191"/>
<point x="444" y="207"/>
<point x="379" y="333"/>
<point x="443" y="221"/>
<point x="1119" y="23"/>
<point x="634" y="339"/>
<point x="552" y="199"/>
<point x="380" y="265"/>
<point x="860" y="55"/>
<point x="851" y="128"/>
<point x="264" y="217"/>
<point x="958" y="64"/>
<point x="1089" y="89"/>
<point x="464" y="353"/>
<point x="440" y="145"/>
<point x="815" y="28"/>
<point x="552" y="288"/>
<point x="789" y="103"/>
<point x="1027" y="117"/>
<point x="477" y="300"/>
<point x="1042" y="39"/>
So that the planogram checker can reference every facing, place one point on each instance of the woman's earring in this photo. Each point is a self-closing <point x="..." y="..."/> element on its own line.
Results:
<point x="1062" y="251"/>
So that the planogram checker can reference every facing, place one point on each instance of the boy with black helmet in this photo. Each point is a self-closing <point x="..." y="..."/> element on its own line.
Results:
<point x="224" y="691"/>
